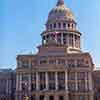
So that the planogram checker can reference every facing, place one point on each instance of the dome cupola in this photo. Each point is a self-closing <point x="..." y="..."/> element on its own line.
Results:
<point x="60" y="13"/>
<point x="61" y="28"/>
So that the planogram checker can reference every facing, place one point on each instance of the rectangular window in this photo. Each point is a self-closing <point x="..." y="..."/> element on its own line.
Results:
<point x="52" y="61"/>
<point x="33" y="86"/>
<point x="61" y="97"/>
<point x="71" y="75"/>
<point x="81" y="76"/>
<point x="81" y="86"/>
<point x="51" y="76"/>
<point x="61" y="61"/>
<point x="42" y="76"/>
<point x="51" y="85"/>
<point x="71" y="63"/>
<point x="33" y="76"/>
<point x="25" y="77"/>
<point x="71" y="86"/>
<point x="51" y="97"/>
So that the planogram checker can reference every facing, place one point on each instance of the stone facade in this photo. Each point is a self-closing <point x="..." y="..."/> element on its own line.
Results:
<point x="7" y="84"/>
<point x="60" y="70"/>
<point x="96" y="79"/>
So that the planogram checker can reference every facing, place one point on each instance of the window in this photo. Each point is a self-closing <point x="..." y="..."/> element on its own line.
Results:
<point x="71" y="63"/>
<point x="81" y="76"/>
<point x="33" y="97"/>
<point x="61" y="97"/>
<point x="71" y="86"/>
<point x="24" y="86"/>
<point x="61" y="80"/>
<point x="61" y="61"/>
<point x="52" y="61"/>
<point x="42" y="97"/>
<point x="33" y="86"/>
<point x="64" y="25"/>
<point x="51" y="85"/>
<point x="43" y="61"/>
<point x="50" y="26"/>
<point x="71" y="75"/>
<point x="54" y="25"/>
<point x="71" y="43"/>
<point x="81" y="98"/>
<point x="68" y="25"/>
<point x="80" y="62"/>
<point x="51" y="76"/>
<point x="42" y="86"/>
<point x="81" y="86"/>
<point x="51" y="97"/>
<point x="25" y="77"/>
<point x="33" y="76"/>
<point x="42" y="76"/>
<point x="25" y="64"/>
<point x="61" y="85"/>
<point x="59" y="25"/>
<point x="61" y="75"/>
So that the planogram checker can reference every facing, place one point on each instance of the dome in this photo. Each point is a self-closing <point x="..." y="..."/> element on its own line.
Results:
<point x="60" y="12"/>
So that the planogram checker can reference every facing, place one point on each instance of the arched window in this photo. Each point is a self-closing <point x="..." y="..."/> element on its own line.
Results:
<point x="72" y="26"/>
<point x="54" y="25"/>
<point x="50" y="26"/>
<point x="64" y="25"/>
<point x="68" y="25"/>
<point x="59" y="25"/>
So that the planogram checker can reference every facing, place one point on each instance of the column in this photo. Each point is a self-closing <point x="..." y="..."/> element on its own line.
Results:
<point x="76" y="84"/>
<point x="61" y="38"/>
<point x="30" y="82"/>
<point x="74" y="40"/>
<point x="37" y="81"/>
<point x="56" y="80"/>
<point x="66" y="80"/>
<point x="17" y="80"/>
<point x="46" y="75"/>
<point x="30" y="64"/>
<point x="7" y="86"/>
<point x="86" y="87"/>
<point x="90" y="81"/>
<point x="20" y="83"/>
<point x="68" y="40"/>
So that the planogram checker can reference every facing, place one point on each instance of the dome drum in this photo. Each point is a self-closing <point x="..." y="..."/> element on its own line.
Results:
<point x="69" y="39"/>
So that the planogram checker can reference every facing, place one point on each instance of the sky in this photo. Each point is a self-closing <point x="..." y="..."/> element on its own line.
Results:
<point x="22" y="21"/>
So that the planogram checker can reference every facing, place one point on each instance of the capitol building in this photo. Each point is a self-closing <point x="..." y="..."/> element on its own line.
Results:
<point x="60" y="70"/>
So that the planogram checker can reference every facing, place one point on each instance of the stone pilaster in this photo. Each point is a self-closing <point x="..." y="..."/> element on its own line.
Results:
<point x="90" y="81"/>
<point x="86" y="87"/>
<point x="61" y="38"/>
<point x="30" y="82"/>
<point x="46" y="75"/>
<point x="37" y="81"/>
<point x="56" y="80"/>
<point x="66" y="80"/>
<point x="76" y="83"/>
<point x="20" y="83"/>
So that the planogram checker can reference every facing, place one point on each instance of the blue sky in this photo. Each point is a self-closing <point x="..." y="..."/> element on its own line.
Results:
<point x="22" y="21"/>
